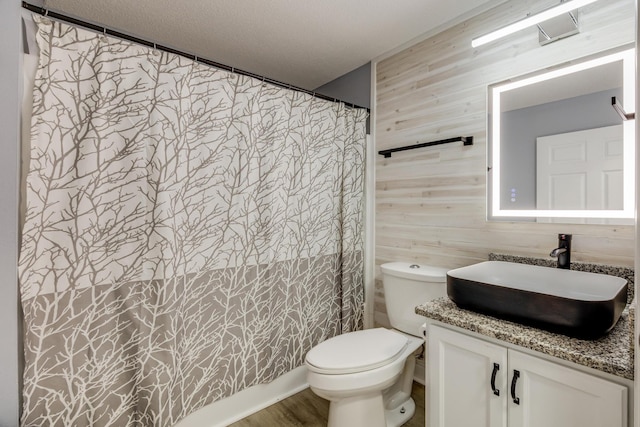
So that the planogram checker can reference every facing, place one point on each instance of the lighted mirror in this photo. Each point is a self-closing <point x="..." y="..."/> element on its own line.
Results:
<point x="558" y="150"/>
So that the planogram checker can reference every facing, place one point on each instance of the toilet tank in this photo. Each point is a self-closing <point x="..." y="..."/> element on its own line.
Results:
<point x="407" y="285"/>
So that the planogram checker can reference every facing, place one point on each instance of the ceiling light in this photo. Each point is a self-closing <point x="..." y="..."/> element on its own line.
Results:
<point x="546" y="14"/>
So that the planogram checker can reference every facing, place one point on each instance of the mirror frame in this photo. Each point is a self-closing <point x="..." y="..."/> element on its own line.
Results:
<point x="494" y="210"/>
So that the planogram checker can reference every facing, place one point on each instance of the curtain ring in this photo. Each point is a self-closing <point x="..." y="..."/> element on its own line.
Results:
<point x="155" y="51"/>
<point x="103" y="37"/>
<point x="46" y="13"/>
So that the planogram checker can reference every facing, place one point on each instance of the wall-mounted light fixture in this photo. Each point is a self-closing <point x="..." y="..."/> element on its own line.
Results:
<point x="552" y="12"/>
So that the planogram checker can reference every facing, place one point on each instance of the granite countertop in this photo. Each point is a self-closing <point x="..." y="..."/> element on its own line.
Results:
<point x="612" y="353"/>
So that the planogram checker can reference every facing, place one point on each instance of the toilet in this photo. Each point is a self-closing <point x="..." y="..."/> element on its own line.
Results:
<point x="367" y="375"/>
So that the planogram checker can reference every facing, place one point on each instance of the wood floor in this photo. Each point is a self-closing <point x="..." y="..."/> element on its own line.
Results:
<point x="307" y="409"/>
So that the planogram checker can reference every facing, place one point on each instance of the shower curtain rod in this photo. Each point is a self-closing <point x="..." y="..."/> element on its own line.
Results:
<point x="107" y="31"/>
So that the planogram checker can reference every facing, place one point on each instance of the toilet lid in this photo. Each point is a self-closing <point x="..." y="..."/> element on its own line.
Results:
<point x="356" y="351"/>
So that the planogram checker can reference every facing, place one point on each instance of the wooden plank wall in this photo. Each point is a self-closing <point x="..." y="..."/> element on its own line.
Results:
<point x="430" y="202"/>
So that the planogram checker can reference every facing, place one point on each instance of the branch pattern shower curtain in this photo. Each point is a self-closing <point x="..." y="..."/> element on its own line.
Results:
<point x="189" y="232"/>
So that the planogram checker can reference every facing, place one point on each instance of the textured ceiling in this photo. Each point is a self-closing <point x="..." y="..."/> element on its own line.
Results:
<point x="305" y="43"/>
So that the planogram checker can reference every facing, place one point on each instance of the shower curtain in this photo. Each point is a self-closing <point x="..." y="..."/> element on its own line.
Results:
<point x="189" y="232"/>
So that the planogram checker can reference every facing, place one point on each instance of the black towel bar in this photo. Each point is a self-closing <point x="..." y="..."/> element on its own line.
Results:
<point x="623" y="114"/>
<point x="467" y="140"/>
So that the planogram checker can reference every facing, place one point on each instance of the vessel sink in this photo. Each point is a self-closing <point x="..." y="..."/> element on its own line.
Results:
<point x="574" y="303"/>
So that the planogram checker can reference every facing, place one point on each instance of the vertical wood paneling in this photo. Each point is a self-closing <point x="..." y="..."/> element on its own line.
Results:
<point x="430" y="203"/>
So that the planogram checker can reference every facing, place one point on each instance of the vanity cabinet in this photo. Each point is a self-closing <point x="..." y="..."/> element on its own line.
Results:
<point x="473" y="382"/>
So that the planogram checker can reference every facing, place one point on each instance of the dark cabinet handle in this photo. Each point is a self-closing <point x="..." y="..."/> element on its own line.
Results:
<point x="514" y="380"/>
<point x="496" y="368"/>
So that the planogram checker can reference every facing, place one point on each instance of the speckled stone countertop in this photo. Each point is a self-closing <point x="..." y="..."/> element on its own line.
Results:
<point x="612" y="353"/>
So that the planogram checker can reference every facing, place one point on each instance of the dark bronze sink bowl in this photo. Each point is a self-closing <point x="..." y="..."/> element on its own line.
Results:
<point x="574" y="303"/>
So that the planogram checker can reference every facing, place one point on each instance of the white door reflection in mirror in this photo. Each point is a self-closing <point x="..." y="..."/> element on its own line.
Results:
<point x="580" y="170"/>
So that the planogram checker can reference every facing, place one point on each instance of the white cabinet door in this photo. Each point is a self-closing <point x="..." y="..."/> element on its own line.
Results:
<point x="461" y="391"/>
<point x="551" y="395"/>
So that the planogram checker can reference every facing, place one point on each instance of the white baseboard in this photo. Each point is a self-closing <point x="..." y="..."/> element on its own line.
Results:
<point x="246" y="402"/>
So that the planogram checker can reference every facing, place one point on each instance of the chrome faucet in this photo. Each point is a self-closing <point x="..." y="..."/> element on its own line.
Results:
<point x="563" y="251"/>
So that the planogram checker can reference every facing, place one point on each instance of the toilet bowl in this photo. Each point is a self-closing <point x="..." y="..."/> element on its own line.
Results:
<point x="367" y="375"/>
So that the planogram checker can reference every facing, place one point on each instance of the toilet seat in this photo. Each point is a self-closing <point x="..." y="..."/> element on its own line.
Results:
<point x="357" y="351"/>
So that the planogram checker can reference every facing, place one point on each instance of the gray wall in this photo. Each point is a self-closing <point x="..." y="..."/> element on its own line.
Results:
<point x="10" y="33"/>
<point x="520" y="128"/>
<point x="353" y="87"/>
